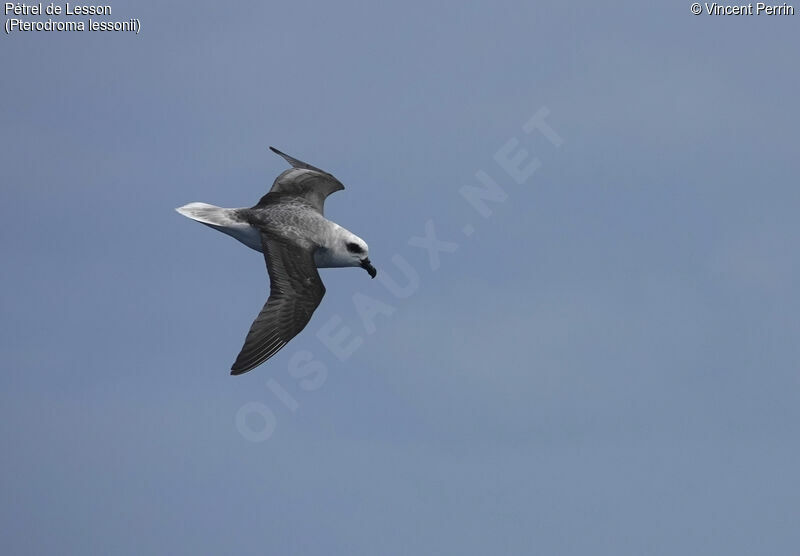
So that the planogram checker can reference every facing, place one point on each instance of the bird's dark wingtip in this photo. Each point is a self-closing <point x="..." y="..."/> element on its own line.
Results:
<point x="276" y="151"/>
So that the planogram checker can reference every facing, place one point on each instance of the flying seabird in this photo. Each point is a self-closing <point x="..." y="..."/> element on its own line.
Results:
<point x="288" y="227"/>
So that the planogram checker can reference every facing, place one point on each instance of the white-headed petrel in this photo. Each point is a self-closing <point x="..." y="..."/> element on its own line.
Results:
<point x="288" y="226"/>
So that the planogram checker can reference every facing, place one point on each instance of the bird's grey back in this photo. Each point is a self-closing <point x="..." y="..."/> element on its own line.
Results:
<point x="290" y="217"/>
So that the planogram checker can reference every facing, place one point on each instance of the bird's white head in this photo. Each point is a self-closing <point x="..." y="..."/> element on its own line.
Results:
<point x="347" y="249"/>
<point x="358" y="253"/>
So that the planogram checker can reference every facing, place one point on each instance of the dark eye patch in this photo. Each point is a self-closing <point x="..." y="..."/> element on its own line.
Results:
<point x="354" y="248"/>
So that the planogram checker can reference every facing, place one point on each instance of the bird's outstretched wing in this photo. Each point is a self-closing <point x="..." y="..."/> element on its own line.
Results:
<point x="295" y="292"/>
<point x="305" y="181"/>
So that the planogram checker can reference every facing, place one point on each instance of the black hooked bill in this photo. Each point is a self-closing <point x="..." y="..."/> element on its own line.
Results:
<point x="366" y="265"/>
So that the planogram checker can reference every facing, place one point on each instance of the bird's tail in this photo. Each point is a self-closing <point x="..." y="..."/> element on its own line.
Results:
<point x="207" y="214"/>
<point x="226" y="220"/>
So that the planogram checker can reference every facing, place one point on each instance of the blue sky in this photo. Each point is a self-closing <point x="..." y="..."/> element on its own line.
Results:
<point x="608" y="364"/>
